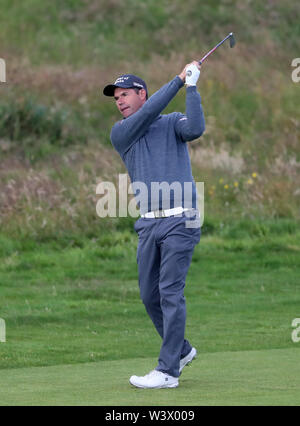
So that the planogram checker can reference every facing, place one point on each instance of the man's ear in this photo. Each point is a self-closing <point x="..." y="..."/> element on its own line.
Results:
<point x="143" y="94"/>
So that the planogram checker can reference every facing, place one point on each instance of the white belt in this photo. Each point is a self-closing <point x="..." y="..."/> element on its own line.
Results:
<point x="164" y="213"/>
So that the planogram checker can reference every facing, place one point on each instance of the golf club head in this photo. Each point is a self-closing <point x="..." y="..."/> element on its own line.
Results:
<point x="232" y="40"/>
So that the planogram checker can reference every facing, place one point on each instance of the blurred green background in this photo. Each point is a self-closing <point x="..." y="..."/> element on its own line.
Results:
<point x="55" y="122"/>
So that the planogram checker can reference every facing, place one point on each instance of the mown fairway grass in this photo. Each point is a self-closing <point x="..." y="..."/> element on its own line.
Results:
<point x="75" y="307"/>
<point x="265" y="377"/>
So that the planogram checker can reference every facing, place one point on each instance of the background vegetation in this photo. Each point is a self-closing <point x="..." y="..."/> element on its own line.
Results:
<point x="68" y="279"/>
<point x="55" y="122"/>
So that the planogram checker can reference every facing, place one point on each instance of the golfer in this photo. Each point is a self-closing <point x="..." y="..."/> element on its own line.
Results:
<point x="154" y="150"/>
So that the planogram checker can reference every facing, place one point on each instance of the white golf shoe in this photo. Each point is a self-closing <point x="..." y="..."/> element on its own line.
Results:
<point x="154" y="380"/>
<point x="187" y="359"/>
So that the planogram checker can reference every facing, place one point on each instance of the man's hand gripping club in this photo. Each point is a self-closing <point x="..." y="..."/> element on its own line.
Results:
<point x="190" y="73"/>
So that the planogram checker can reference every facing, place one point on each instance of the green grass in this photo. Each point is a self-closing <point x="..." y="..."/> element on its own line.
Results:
<point x="77" y="31"/>
<point x="265" y="377"/>
<point x="75" y="303"/>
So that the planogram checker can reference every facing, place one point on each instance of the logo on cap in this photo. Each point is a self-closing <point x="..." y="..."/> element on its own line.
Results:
<point x="121" y="80"/>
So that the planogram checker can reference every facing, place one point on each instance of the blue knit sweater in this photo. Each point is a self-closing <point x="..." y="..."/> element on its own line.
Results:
<point x="154" y="150"/>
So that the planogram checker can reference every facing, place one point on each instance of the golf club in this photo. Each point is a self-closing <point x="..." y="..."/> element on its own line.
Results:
<point x="231" y="42"/>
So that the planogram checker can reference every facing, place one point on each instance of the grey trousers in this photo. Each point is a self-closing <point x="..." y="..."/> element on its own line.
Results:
<point x="164" y="254"/>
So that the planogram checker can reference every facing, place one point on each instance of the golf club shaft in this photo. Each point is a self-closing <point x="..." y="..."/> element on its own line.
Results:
<point x="214" y="48"/>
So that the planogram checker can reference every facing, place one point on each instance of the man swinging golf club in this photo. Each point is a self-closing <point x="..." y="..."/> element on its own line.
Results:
<point x="153" y="147"/>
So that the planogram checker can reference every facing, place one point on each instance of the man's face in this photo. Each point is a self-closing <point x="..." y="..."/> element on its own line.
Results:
<point x="128" y="101"/>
